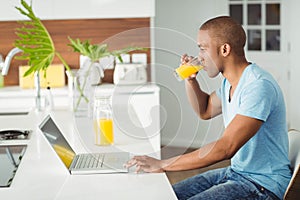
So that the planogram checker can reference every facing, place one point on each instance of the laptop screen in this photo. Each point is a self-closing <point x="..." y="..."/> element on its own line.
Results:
<point x="57" y="141"/>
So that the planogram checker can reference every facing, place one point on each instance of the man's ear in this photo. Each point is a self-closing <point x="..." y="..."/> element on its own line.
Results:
<point x="225" y="49"/>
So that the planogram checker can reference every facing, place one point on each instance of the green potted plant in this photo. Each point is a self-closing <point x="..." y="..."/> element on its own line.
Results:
<point x="37" y="46"/>
<point x="94" y="52"/>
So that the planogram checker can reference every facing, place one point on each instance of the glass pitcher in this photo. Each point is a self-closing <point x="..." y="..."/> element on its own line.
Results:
<point x="103" y="121"/>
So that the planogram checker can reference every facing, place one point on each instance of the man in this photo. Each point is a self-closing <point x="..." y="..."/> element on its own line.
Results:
<point x="255" y="136"/>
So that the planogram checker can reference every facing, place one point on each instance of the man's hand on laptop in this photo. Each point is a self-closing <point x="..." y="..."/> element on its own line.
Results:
<point x="146" y="164"/>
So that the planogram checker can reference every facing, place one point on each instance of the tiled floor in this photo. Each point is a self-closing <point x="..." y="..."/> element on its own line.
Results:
<point x="174" y="177"/>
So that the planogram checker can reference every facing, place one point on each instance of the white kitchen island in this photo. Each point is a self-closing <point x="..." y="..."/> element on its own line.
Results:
<point x="42" y="175"/>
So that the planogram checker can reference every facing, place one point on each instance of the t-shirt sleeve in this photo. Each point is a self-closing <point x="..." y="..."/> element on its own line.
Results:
<point x="257" y="100"/>
<point x="221" y="89"/>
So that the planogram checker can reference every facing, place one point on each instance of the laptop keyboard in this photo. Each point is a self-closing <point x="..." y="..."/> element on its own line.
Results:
<point x="89" y="161"/>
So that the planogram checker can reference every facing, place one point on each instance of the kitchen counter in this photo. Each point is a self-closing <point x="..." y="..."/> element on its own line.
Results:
<point x="42" y="175"/>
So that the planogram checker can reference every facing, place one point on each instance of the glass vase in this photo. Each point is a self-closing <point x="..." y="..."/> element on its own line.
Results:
<point x="81" y="89"/>
<point x="82" y="83"/>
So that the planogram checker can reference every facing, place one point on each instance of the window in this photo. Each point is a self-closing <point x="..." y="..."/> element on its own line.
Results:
<point x="261" y="21"/>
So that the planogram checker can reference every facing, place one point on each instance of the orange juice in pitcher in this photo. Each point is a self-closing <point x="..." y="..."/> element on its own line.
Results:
<point x="103" y="131"/>
<point x="103" y="122"/>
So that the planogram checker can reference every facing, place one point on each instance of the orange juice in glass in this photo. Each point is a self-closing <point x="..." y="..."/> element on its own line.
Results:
<point x="186" y="70"/>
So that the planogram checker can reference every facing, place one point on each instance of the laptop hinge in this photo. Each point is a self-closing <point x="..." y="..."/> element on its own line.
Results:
<point x="73" y="164"/>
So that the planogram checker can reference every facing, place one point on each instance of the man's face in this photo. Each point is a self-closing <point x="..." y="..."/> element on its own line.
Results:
<point x="208" y="53"/>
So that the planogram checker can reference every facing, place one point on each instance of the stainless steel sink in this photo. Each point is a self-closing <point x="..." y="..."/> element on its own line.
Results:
<point x="10" y="159"/>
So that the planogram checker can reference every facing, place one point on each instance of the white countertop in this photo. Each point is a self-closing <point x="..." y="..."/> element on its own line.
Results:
<point x="127" y="89"/>
<point x="13" y="91"/>
<point x="16" y="91"/>
<point x="41" y="175"/>
<point x="16" y="99"/>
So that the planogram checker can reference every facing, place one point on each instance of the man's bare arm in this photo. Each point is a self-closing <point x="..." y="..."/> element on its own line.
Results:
<point x="206" y="106"/>
<point x="237" y="133"/>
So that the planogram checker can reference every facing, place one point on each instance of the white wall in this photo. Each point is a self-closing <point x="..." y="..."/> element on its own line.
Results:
<point x="294" y="33"/>
<point x="79" y="9"/>
<point x="176" y="26"/>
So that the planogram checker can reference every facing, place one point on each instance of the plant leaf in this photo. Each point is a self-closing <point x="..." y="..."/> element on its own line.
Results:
<point x="97" y="51"/>
<point x="35" y="41"/>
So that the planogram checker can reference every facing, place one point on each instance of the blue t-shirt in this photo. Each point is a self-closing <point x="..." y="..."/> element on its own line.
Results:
<point x="264" y="158"/>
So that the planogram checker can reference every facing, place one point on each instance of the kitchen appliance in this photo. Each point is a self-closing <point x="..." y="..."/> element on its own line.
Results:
<point x="130" y="74"/>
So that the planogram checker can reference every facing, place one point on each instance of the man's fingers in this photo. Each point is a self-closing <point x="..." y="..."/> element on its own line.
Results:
<point x="134" y="161"/>
<point x="142" y="168"/>
<point x="142" y="164"/>
<point x="130" y="163"/>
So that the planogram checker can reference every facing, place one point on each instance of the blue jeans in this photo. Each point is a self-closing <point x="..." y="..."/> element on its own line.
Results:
<point x="221" y="184"/>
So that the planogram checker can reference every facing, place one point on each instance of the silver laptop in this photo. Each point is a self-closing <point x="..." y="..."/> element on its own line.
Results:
<point x="89" y="163"/>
